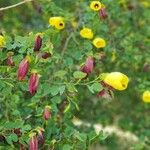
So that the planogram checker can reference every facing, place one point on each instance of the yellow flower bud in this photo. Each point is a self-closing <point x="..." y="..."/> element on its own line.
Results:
<point x="99" y="43"/>
<point x="2" y="41"/>
<point x="117" y="80"/>
<point x="95" y="5"/>
<point x="146" y="97"/>
<point x="86" y="33"/>
<point x="57" y="22"/>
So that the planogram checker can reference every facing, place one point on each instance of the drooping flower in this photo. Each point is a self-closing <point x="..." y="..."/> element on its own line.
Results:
<point x="10" y="62"/>
<point x="40" y="135"/>
<point x="38" y="43"/>
<point x="2" y="41"/>
<point x="146" y="97"/>
<point x="89" y="65"/>
<point x="57" y="22"/>
<point x="23" y="68"/>
<point x="86" y="33"/>
<point x="102" y="13"/>
<point x="99" y="42"/>
<point x="33" y="143"/>
<point x="33" y="82"/>
<point x="45" y="55"/>
<point x="47" y="112"/>
<point x="95" y="5"/>
<point x="117" y="80"/>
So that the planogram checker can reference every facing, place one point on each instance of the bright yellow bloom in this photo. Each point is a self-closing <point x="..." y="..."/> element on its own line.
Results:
<point x="117" y="80"/>
<point x="95" y="5"/>
<point x="99" y="43"/>
<point x="2" y="41"/>
<point x="146" y="97"/>
<point x="86" y="33"/>
<point x="57" y="22"/>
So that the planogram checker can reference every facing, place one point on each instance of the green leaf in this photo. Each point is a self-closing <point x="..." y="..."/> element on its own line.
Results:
<point x="26" y="128"/>
<point x="9" y="84"/>
<point x="54" y="90"/>
<point x="9" y="140"/>
<point x="71" y="88"/>
<point x="56" y="99"/>
<point x="79" y="75"/>
<point x="69" y="131"/>
<point x="90" y="88"/>
<point x="97" y="87"/>
<point x="60" y="73"/>
<point x="68" y="61"/>
<point x="81" y="136"/>
<point x="12" y="138"/>
<point x="87" y="45"/>
<point x="67" y="108"/>
<point x="11" y="125"/>
<point x="46" y="89"/>
<point x="67" y="147"/>
<point x="61" y="89"/>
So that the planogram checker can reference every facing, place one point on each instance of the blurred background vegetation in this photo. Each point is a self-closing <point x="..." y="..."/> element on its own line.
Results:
<point x="127" y="31"/>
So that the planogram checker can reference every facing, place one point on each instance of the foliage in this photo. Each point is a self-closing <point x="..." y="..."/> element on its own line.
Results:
<point x="69" y="90"/>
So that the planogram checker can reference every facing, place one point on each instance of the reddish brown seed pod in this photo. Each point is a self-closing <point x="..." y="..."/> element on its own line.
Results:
<point x="23" y="69"/>
<point x="38" y="43"/>
<point x="47" y="113"/>
<point x="33" y="83"/>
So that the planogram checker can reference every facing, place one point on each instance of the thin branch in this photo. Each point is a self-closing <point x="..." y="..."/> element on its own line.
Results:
<point x="66" y="44"/>
<point x="15" y="5"/>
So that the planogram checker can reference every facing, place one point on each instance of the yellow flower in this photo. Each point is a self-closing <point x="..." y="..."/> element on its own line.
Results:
<point x="57" y="22"/>
<point x="95" y="5"/>
<point x="99" y="43"/>
<point x="86" y="33"/>
<point x="2" y="41"/>
<point x="117" y="80"/>
<point x="146" y="97"/>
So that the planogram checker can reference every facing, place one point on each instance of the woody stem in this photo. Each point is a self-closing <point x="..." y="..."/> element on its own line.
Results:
<point x="15" y="5"/>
